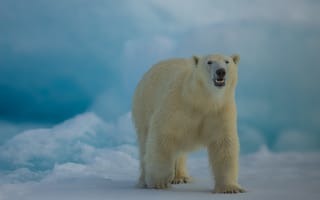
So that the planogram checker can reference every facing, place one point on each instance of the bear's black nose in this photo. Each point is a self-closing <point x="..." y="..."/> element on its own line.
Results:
<point x="221" y="72"/>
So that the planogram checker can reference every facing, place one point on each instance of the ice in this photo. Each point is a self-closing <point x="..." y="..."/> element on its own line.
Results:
<point x="88" y="158"/>
<point x="265" y="175"/>
<point x="85" y="139"/>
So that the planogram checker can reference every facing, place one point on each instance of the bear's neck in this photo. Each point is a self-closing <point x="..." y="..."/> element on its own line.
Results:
<point x="199" y="95"/>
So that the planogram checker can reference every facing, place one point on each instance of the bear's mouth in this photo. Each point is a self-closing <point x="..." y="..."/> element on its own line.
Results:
<point x="219" y="82"/>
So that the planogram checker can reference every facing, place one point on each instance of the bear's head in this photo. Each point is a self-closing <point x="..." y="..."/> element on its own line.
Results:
<point x="219" y="72"/>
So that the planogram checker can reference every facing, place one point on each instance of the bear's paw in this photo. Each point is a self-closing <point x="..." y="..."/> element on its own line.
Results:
<point x="159" y="182"/>
<point x="229" y="189"/>
<point x="181" y="179"/>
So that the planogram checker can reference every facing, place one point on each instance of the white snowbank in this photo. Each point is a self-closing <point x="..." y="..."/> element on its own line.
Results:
<point x="265" y="175"/>
<point x="84" y="141"/>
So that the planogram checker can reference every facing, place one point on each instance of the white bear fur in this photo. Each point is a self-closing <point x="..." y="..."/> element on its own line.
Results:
<point x="177" y="109"/>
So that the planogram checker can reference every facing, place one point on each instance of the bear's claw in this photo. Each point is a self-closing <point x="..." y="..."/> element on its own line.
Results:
<point x="162" y="183"/>
<point x="181" y="180"/>
<point x="231" y="189"/>
<point x="161" y="186"/>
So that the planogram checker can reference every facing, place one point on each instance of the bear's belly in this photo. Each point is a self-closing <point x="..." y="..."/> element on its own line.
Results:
<point x="188" y="137"/>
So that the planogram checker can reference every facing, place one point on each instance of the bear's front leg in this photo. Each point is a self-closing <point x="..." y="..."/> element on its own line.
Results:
<point x="223" y="157"/>
<point x="159" y="162"/>
<point x="181" y="174"/>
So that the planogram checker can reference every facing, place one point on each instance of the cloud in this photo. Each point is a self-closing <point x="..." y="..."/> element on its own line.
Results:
<point x="9" y="130"/>
<point x="251" y="139"/>
<point x="51" y="59"/>
<point x="46" y="26"/>
<point x="250" y="108"/>
<point x="110" y="104"/>
<point x="140" y="54"/>
<point x="274" y="58"/>
<point x="295" y="140"/>
<point x="149" y="49"/>
<point x="175" y="16"/>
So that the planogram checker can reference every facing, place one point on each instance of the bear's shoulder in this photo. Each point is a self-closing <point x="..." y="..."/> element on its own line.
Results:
<point x="174" y="65"/>
<point x="175" y="62"/>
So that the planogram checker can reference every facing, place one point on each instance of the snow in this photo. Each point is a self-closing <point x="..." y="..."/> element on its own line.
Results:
<point x="87" y="158"/>
<point x="81" y="139"/>
<point x="264" y="174"/>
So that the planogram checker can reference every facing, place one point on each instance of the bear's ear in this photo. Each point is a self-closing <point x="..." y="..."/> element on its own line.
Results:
<point x="235" y="58"/>
<point x="196" y="60"/>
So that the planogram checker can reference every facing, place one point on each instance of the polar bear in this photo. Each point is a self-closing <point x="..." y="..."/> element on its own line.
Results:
<point x="181" y="105"/>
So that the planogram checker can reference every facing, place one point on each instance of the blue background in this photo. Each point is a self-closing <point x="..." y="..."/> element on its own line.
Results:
<point x="62" y="58"/>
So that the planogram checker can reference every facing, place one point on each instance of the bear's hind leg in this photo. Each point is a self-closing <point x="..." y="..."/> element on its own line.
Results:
<point x="142" y="138"/>
<point x="181" y="173"/>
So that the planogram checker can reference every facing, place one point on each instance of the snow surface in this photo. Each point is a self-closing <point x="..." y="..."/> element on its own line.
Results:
<point x="264" y="175"/>
<point x="83" y="158"/>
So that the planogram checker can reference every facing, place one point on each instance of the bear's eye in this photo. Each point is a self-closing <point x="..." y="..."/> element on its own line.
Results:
<point x="209" y="62"/>
<point x="226" y="61"/>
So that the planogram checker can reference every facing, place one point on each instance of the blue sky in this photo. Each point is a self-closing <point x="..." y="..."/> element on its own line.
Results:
<point x="62" y="58"/>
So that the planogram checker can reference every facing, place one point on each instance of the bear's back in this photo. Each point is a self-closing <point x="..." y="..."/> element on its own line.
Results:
<point x="162" y="76"/>
<point x="156" y="85"/>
